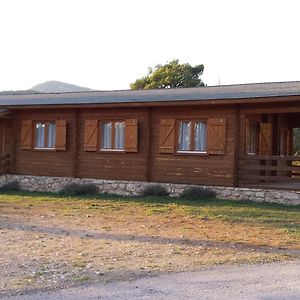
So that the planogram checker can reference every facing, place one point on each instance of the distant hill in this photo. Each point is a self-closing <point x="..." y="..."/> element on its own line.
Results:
<point x="58" y="87"/>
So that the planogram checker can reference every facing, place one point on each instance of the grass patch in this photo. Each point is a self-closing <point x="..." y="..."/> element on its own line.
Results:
<point x="82" y="278"/>
<point x="270" y="214"/>
<point x="212" y="208"/>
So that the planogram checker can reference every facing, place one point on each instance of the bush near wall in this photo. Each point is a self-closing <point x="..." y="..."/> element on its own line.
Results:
<point x="155" y="190"/>
<point x="197" y="193"/>
<point x="10" y="187"/>
<point x="74" y="189"/>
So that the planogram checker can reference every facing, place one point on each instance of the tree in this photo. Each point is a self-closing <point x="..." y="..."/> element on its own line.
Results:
<point x="171" y="75"/>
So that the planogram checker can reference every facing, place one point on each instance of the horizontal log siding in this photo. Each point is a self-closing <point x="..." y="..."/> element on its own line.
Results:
<point x="43" y="162"/>
<point x="177" y="168"/>
<point x="193" y="168"/>
<point x="114" y="165"/>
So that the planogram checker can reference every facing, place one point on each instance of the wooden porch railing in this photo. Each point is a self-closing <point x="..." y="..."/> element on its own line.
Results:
<point x="4" y="164"/>
<point x="259" y="169"/>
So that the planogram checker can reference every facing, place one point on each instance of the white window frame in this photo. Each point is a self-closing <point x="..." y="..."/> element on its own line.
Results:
<point x="191" y="147"/>
<point x="115" y="145"/>
<point x="45" y="143"/>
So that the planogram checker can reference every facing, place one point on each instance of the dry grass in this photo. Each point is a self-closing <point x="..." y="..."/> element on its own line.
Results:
<point x="49" y="242"/>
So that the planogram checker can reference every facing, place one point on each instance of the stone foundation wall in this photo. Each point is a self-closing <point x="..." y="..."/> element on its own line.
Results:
<point x="128" y="188"/>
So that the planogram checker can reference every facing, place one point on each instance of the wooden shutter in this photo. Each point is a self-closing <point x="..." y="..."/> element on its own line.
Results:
<point x="61" y="135"/>
<point x="131" y="135"/>
<point x="167" y="136"/>
<point x="26" y="135"/>
<point x="90" y="135"/>
<point x="216" y="136"/>
<point x="265" y="139"/>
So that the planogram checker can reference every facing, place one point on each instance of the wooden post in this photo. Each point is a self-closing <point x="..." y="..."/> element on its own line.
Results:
<point x="236" y="146"/>
<point x="16" y="130"/>
<point x="75" y="144"/>
<point x="3" y="131"/>
<point x="148" y="157"/>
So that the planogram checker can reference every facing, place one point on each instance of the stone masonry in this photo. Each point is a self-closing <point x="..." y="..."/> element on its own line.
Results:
<point x="134" y="188"/>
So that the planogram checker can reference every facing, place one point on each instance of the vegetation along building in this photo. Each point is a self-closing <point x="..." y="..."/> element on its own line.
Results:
<point x="232" y="136"/>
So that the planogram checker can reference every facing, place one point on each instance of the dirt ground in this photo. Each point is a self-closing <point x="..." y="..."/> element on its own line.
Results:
<point x="272" y="281"/>
<point x="53" y="243"/>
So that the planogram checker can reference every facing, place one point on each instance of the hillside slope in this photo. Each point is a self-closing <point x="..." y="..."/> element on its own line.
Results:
<point x="58" y="87"/>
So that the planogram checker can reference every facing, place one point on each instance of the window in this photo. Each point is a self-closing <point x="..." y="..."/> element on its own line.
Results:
<point x="45" y="133"/>
<point x="119" y="135"/>
<point x="112" y="135"/>
<point x="192" y="136"/>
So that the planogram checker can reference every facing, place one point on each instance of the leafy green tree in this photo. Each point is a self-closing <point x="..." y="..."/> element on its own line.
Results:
<point x="171" y="75"/>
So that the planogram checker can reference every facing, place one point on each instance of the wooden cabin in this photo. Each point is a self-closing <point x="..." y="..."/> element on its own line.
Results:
<point x="237" y="135"/>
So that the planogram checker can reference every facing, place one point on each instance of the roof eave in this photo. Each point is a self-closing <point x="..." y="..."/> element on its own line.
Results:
<point x="252" y="100"/>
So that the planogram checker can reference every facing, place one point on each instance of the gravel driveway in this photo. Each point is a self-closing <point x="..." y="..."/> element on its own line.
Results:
<point x="268" y="281"/>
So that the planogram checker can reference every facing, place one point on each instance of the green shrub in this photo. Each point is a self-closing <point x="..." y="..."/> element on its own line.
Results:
<point x="155" y="190"/>
<point x="10" y="187"/>
<point x="197" y="193"/>
<point x="75" y="189"/>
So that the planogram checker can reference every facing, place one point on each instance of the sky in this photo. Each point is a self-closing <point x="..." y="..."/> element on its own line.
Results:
<point x="107" y="44"/>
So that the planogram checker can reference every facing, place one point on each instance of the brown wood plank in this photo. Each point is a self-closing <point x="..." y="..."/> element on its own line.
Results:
<point x="270" y="157"/>
<point x="75" y="164"/>
<point x="237" y="145"/>
<point x="146" y="164"/>
<point x="269" y="168"/>
<point x="269" y="178"/>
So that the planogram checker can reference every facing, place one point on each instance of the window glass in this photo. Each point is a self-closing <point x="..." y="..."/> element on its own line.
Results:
<point x="200" y="136"/>
<point x="106" y="135"/>
<point x="51" y="135"/>
<point x="119" y="135"/>
<point x="184" y="136"/>
<point x="40" y="135"/>
<point x="45" y="135"/>
<point x="192" y="136"/>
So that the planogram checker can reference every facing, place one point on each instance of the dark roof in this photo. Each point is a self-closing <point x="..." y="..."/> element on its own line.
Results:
<point x="18" y="92"/>
<point x="234" y="92"/>
<point x="4" y="112"/>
